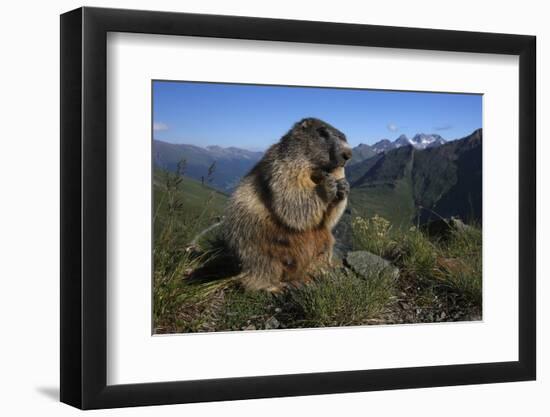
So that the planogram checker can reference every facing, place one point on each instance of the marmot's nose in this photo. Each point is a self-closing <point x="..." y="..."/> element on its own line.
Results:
<point x="346" y="154"/>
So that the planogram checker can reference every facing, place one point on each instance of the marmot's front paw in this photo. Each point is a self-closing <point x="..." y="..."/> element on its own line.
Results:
<point x="330" y="188"/>
<point x="342" y="189"/>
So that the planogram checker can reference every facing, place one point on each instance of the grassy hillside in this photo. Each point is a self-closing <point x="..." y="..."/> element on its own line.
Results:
<point x="391" y="200"/>
<point x="194" y="289"/>
<point x="194" y="204"/>
<point x="383" y="186"/>
<point x="440" y="277"/>
<point x="193" y="192"/>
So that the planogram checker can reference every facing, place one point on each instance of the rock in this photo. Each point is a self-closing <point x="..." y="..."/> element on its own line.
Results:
<point x="250" y="327"/>
<point x="459" y="225"/>
<point x="444" y="227"/>
<point x="272" y="323"/>
<point x="369" y="265"/>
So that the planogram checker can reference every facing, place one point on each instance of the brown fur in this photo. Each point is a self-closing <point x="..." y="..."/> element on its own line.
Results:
<point x="280" y="218"/>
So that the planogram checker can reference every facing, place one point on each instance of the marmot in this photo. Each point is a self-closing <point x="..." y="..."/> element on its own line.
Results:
<point x="280" y="218"/>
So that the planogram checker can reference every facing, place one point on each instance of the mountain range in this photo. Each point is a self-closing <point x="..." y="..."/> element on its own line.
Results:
<point x="221" y="168"/>
<point x="407" y="181"/>
<point x="411" y="184"/>
<point x="418" y="141"/>
<point x="232" y="163"/>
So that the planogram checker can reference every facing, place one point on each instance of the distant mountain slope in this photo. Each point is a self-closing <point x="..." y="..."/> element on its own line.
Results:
<point x="449" y="179"/>
<point x="382" y="185"/>
<point x="408" y="184"/>
<point x="362" y="152"/>
<point x="383" y="146"/>
<point x="230" y="163"/>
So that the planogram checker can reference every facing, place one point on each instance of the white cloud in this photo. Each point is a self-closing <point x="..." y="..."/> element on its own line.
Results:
<point x="158" y="126"/>
<point x="444" y="127"/>
<point x="392" y="127"/>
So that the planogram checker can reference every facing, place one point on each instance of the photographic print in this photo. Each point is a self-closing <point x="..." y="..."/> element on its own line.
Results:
<point x="283" y="207"/>
<point x="261" y="200"/>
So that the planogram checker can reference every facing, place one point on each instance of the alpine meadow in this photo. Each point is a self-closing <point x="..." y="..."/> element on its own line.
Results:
<point x="299" y="207"/>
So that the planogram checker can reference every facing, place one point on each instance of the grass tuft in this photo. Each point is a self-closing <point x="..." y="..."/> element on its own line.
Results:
<point x="343" y="298"/>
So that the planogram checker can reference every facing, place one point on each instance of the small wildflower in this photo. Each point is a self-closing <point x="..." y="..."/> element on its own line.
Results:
<point x="373" y="234"/>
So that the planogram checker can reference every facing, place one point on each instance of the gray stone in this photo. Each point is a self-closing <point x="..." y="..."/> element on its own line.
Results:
<point x="272" y="323"/>
<point x="459" y="225"/>
<point x="369" y="265"/>
<point x="444" y="227"/>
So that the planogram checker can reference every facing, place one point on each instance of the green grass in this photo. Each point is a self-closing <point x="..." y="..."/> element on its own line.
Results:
<point x="182" y="208"/>
<point x="344" y="299"/>
<point x="194" y="289"/>
<point x="465" y="275"/>
<point x="194" y="192"/>
<point x="184" y="205"/>
<point x="443" y="274"/>
<point x="338" y="298"/>
<point x="391" y="200"/>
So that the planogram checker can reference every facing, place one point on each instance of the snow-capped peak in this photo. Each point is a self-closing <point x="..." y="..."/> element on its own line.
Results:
<point x="423" y="140"/>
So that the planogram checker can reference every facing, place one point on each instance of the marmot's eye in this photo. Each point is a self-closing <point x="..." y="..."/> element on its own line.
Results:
<point x="323" y="132"/>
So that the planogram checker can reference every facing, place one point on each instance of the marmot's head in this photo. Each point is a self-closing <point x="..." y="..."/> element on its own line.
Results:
<point x="325" y="146"/>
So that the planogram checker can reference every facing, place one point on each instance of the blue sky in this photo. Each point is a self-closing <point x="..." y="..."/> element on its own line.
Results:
<point x="254" y="117"/>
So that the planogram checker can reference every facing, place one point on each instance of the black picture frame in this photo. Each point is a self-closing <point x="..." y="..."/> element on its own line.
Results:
<point x="84" y="207"/>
